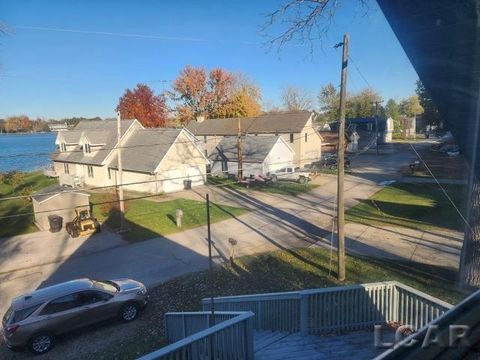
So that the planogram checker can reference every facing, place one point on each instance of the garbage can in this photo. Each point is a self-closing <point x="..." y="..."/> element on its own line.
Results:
<point x="55" y="223"/>
<point x="187" y="184"/>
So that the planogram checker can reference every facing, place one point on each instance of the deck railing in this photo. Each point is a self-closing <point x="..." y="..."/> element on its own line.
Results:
<point x="229" y="339"/>
<point x="342" y="308"/>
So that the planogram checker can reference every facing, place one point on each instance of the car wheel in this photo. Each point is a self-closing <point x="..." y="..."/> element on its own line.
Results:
<point x="40" y="343"/>
<point x="75" y="233"/>
<point x="129" y="312"/>
<point x="274" y="178"/>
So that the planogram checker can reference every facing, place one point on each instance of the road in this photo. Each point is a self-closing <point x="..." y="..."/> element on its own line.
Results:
<point x="274" y="222"/>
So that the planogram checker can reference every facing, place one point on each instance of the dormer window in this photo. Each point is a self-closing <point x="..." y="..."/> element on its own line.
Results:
<point x="63" y="147"/>
<point x="87" y="149"/>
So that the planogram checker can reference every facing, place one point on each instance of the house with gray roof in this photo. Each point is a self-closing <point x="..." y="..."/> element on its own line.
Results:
<point x="153" y="160"/>
<point x="296" y="128"/>
<point x="261" y="155"/>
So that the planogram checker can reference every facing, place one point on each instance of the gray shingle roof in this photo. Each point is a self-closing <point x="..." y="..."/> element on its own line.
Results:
<point x="51" y="190"/>
<point x="254" y="148"/>
<point x="284" y="122"/>
<point x="102" y="131"/>
<point x="145" y="149"/>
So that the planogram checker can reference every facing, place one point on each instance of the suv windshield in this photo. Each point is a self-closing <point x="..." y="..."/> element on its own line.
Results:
<point x="106" y="285"/>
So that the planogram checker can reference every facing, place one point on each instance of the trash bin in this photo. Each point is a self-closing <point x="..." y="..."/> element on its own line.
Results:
<point x="55" y="223"/>
<point x="187" y="184"/>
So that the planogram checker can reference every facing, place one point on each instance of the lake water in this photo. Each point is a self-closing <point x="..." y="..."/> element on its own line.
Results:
<point x="26" y="152"/>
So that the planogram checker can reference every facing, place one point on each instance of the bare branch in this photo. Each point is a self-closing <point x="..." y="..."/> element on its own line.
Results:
<point x="302" y="21"/>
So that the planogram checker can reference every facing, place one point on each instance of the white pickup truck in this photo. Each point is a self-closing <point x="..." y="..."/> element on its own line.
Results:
<point x="290" y="174"/>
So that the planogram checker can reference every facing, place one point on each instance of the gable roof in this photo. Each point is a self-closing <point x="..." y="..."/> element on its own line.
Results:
<point x="98" y="132"/>
<point x="254" y="148"/>
<point x="52" y="191"/>
<point x="145" y="149"/>
<point x="282" y="122"/>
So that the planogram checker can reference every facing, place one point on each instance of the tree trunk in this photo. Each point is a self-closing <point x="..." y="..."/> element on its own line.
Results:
<point x="470" y="256"/>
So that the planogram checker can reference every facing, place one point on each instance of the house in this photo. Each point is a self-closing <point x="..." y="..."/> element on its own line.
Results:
<point x="57" y="200"/>
<point x="261" y="155"/>
<point x="330" y="141"/>
<point x="296" y="128"/>
<point x="153" y="160"/>
<point x="368" y="129"/>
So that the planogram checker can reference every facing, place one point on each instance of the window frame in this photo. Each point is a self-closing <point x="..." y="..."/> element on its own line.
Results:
<point x="291" y="138"/>
<point x="90" y="171"/>
<point x="306" y="137"/>
<point x="66" y="168"/>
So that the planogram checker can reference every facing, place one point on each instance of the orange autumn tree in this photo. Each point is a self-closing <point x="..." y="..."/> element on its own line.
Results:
<point x="142" y="104"/>
<point x="214" y="94"/>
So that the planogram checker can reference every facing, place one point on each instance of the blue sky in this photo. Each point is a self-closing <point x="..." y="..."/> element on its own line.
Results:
<point x="58" y="74"/>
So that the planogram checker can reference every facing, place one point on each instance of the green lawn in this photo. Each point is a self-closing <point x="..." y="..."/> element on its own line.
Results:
<point x="281" y="187"/>
<point x="147" y="219"/>
<point x="21" y="224"/>
<point x="417" y="206"/>
<point x="270" y="272"/>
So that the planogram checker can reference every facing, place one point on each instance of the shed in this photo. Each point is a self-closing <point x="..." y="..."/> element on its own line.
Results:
<point x="57" y="200"/>
<point x="261" y="155"/>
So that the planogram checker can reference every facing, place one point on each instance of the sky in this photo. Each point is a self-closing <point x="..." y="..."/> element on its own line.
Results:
<point x="76" y="58"/>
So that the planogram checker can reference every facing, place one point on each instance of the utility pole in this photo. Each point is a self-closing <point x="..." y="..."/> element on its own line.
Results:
<point x="341" y="165"/>
<point x="210" y="266"/>
<point x="120" y="174"/>
<point x="376" y="121"/>
<point x="239" y="151"/>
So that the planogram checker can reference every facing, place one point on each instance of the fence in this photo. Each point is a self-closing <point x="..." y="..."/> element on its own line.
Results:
<point x="231" y="339"/>
<point x="343" y="308"/>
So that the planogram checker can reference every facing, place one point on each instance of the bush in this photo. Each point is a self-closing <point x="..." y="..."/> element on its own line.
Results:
<point x="14" y="179"/>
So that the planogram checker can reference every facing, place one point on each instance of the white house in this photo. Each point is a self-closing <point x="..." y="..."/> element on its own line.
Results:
<point x="297" y="128"/>
<point x="153" y="160"/>
<point x="261" y="155"/>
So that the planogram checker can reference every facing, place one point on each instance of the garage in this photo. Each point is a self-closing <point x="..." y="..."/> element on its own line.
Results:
<point x="57" y="200"/>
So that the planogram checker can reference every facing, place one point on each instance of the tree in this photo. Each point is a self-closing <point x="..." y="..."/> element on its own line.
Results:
<point x="430" y="111"/>
<point x="411" y="106"/>
<point x="296" y="99"/>
<point x="218" y="93"/>
<point x="392" y="109"/>
<point x="18" y="124"/>
<point x="362" y="104"/>
<point x="329" y="100"/>
<point x="142" y="104"/>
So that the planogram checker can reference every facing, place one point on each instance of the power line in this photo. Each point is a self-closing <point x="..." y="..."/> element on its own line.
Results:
<point x="131" y="35"/>
<point x="359" y="72"/>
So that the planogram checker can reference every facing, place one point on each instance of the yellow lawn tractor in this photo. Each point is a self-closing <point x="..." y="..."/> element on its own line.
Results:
<point x="83" y="224"/>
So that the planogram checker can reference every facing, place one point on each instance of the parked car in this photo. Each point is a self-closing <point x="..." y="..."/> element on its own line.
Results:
<point x="35" y="319"/>
<point x="331" y="162"/>
<point x="290" y="174"/>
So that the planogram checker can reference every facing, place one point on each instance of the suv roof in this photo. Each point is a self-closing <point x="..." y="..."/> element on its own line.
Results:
<point x="50" y="292"/>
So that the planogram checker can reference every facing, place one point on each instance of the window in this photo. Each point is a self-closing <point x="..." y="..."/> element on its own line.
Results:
<point x="88" y="149"/>
<point x="306" y="137"/>
<point x="291" y="138"/>
<point x="19" y="315"/>
<point x="63" y="303"/>
<point x="109" y="174"/>
<point x="90" y="171"/>
<point x="205" y="139"/>
<point x="66" y="168"/>
<point x="63" y="147"/>
<point x="92" y="297"/>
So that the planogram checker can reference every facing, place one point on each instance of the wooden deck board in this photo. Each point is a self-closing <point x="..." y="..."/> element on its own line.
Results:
<point x="274" y="345"/>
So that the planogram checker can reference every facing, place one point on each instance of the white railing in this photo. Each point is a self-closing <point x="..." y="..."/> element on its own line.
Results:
<point x="230" y="339"/>
<point x="342" y="308"/>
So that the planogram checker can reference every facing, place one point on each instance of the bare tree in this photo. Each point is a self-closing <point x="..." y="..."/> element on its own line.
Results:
<point x="302" y="21"/>
<point x="295" y="99"/>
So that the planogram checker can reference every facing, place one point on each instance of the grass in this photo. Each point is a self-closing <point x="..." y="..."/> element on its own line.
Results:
<point x="21" y="224"/>
<point x="281" y="187"/>
<point x="270" y="272"/>
<point x="148" y="219"/>
<point x="417" y="206"/>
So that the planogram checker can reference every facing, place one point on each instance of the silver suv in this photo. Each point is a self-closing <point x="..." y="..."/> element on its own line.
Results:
<point x="34" y="319"/>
